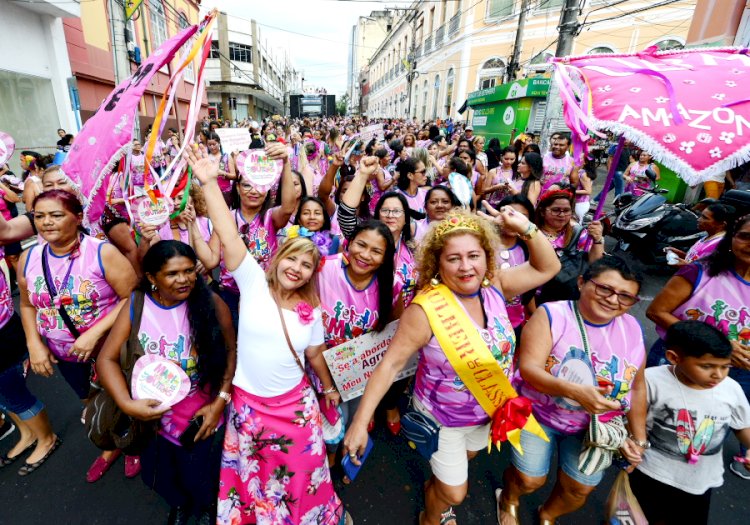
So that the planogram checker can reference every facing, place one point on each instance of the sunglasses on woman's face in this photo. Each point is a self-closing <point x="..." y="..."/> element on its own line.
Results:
<point x="605" y="292"/>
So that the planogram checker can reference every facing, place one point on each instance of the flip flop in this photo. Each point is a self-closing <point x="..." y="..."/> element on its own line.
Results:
<point x="6" y="460"/>
<point x="28" y="468"/>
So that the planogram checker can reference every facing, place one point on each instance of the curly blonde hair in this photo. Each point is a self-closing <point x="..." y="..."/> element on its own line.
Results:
<point x="431" y="246"/>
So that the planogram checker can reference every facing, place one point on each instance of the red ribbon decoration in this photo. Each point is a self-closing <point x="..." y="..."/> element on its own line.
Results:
<point x="512" y="415"/>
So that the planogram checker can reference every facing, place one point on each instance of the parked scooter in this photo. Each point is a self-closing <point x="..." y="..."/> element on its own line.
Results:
<point x="647" y="224"/>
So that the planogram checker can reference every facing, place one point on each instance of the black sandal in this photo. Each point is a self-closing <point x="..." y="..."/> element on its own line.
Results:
<point x="5" y="460"/>
<point x="28" y="468"/>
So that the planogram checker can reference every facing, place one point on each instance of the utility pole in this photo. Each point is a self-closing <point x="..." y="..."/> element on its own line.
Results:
<point x="568" y="29"/>
<point x="513" y="65"/>
<point x="412" y="60"/>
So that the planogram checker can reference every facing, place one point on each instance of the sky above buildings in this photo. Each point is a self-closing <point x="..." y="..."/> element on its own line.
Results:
<point x="322" y="55"/>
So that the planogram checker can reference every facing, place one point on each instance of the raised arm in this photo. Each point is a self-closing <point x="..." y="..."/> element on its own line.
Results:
<point x="543" y="262"/>
<point x="281" y="214"/>
<point x="16" y="229"/>
<point x="206" y="171"/>
<point x="326" y="185"/>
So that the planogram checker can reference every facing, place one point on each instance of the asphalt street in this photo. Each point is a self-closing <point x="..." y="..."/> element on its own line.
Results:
<point x="388" y="490"/>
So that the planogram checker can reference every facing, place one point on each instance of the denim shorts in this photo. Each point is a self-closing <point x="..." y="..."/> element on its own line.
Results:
<point x="537" y="455"/>
<point x="14" y="396"/>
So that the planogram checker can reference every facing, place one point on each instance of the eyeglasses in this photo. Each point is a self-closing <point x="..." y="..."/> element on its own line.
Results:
<point x="560" y="211"/>
<point x="246" y="187"/>
<point x="419" y="171"/>
<point x="391" y="213"/>
<point x="605" y="292"/>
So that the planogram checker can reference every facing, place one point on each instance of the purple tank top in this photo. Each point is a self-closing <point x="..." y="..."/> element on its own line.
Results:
<point x="137" y="163"/>
<point x="438" y="387"/>
<point x="617" y="352"/>
<point x="722" y="301"/>
<point x="6" y="301"/>
<point x="260" y="238"/>
<point x="166" y="232"/>
<point x="347" y="312"/>
<point x="416" y="202"/>
<point x="85" y="294"/>
<point x="556" y="170"/>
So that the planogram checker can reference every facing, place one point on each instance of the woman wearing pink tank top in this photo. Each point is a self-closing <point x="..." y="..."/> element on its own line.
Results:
<point x="456" y="257"/>
<point x="182" y="321"/>
<point x="257" y="223"/>
<point x="577" y="359"/>
<point x="72" y="288"/>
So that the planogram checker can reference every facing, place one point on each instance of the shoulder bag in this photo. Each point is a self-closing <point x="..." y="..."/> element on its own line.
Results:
<point x="573" y="262"/>
<point x="602" y="440"/>
<point x="107" y="426"/>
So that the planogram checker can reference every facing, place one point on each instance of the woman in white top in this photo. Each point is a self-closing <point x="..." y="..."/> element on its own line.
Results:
<point x="273" y="466"/>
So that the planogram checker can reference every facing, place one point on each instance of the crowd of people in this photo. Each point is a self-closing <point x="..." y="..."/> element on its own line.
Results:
<point x="467" y="242"/>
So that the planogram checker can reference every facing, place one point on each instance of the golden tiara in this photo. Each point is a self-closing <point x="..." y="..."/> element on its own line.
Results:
<point x="454" y="222"/>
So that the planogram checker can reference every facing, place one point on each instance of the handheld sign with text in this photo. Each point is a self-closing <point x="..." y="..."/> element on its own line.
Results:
<point x="155" y="377"/>
<point x="7" y="147"/>
<point x="372" y="132"/>
<point x="234" y="139"/>
<point x="258" y="169"/>
<point x="352" y="363"/>
<point x="154" y="213"/>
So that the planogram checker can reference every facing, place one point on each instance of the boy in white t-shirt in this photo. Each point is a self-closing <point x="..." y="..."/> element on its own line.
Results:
<point x="692" y="405"/>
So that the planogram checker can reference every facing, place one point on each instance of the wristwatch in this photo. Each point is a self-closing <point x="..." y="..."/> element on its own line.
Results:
<point x="642" y="444"/>
<point x="226" y="396"/>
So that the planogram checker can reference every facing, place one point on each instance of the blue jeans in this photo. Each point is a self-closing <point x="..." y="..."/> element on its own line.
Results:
<point x="618" y="182"/>
<point x="14" y="396"/>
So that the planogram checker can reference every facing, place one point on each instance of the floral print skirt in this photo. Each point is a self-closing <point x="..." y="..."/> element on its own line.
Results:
<point x="274" y="469"/>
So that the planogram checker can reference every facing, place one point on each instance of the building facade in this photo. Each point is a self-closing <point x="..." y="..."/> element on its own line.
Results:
<point x="35" y="75"/>
<point x="246" y="79"/>
<point x="438" y="52"/>
<point x="102" y="50"/>
<point x="365" y="38"/>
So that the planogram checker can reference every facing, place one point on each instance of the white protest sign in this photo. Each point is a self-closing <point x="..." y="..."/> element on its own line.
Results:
<point x="234" y="139"/>
<point x="352" y="363"/>
<point x="259" y="169"/>
<point x="371" y="132"/>
<point x="154" y="213"/>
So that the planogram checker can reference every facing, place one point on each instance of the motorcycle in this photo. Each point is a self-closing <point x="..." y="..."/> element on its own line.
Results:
<point x="646" y="225"/>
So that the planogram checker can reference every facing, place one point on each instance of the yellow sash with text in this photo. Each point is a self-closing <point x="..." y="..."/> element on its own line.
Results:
<point x="472" y="360"/>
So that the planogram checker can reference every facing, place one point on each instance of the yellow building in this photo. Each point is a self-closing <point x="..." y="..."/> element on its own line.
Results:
<point x="90" y="46"/>
<point x="454" y="47"/>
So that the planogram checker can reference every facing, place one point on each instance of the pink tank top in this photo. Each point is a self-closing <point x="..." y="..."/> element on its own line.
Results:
<point x="260" y="238"/>
<point x="703" y="247"/>
<point x="722" y="301"/>
<point x="6" y="300"/>
<point x="166" y="332"/>
<point x="224" y="184"/>
<point x="581" y="198"/>
<point x="137" y="163"/>
<point x="556" y="170"/>
<point x="405" y="276"/>
<point x="440" y="389"/>
<point x="85" y="293"/>
<point x="347" y="312"/>
<point x="166" y="232"/>
<point x="617" y="352"/>
<point x="420" y="229"/>
<point x="377" y="192"/>
<point x="641" y="181"/>
<point x="501" y="176"/>
<point x="505" y="259"/>
<point x="416" y="202"/>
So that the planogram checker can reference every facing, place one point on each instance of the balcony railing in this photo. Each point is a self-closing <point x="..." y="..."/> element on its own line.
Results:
<point x="428" y="45"/>
<point x="439" y="36"/>
<point x="454" y="25"/>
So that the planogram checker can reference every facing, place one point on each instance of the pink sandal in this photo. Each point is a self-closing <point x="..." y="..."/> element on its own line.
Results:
<point x="100" y="467"/>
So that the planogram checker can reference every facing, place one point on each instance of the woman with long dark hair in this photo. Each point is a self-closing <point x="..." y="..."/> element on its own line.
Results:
<point x="185" y="322"/>
<point x="224" y="160"/>
<point x="527" y="180"/>
<point x="412" y="180"/>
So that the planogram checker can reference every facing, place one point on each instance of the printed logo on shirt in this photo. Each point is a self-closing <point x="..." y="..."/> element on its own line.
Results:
<point x="734" y="323"/>
<point x="82" y="307"/>
<point x="346" y="323"/>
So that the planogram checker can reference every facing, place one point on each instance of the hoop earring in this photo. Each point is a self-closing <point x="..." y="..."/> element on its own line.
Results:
<point x="153" y="287"/>
<point x="435" y="280"/>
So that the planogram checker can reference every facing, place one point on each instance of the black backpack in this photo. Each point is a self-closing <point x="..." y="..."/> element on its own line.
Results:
<point x="574" y="262"/>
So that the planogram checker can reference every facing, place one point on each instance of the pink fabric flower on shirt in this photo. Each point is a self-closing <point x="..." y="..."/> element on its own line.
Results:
<point x="305" y="312"/>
